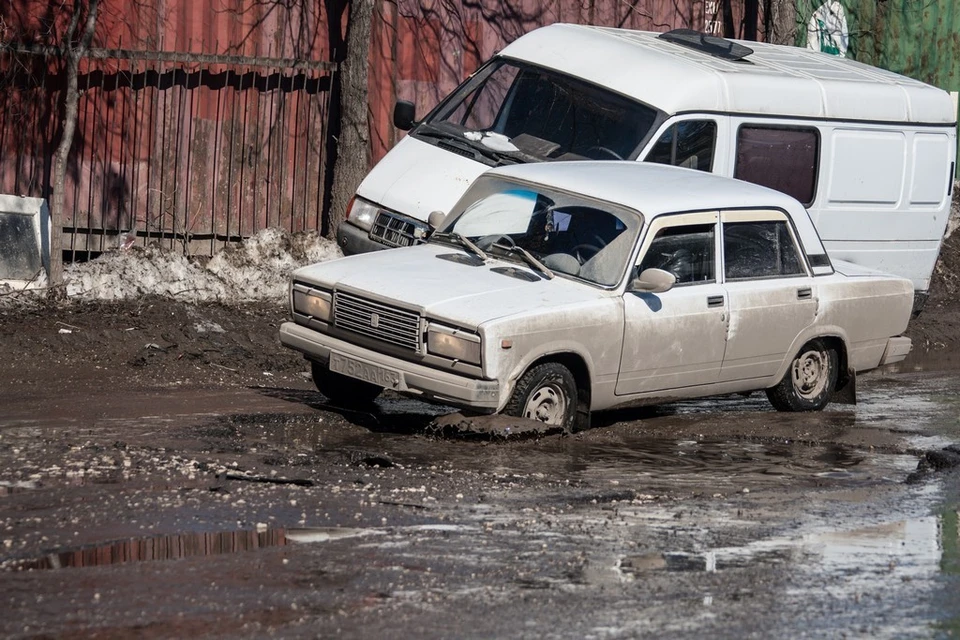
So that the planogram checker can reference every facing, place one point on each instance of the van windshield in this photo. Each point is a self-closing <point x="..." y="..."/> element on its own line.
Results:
<point x="515" y="112"/>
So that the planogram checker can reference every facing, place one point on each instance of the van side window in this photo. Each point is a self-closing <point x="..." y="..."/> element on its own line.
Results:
<point x="686" y="251"/>
<point x="759" y="250"/>
<point x="686" y="144"/>
<point x="782" y="158"/>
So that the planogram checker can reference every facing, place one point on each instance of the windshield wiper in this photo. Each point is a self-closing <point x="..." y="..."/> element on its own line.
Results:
<point x="456" y="238"/>
<point x="461" y="141"/>
<point x="527" y="257"/>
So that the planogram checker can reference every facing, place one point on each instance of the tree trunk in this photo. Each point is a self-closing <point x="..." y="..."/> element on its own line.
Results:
<point x="353" y="148"/>
<point x="72" y="55"/>
<point x="781" y="22"/>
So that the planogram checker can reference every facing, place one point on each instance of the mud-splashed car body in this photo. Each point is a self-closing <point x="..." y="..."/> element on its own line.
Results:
<point x="554" y="290"/>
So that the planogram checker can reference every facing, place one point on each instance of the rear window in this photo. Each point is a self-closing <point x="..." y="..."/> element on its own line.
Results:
<point x="782" y="158"/>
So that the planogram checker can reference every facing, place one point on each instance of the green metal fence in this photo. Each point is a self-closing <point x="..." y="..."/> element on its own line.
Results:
<point x="918" y="38"/>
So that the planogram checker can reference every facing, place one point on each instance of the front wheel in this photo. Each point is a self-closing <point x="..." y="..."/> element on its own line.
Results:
<point x="546" y="393"/>
<point x="343" y="390"/>
<point x="808" y="383"/>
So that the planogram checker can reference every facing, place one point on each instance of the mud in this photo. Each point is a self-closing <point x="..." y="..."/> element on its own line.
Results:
<point x="237" y="509"/>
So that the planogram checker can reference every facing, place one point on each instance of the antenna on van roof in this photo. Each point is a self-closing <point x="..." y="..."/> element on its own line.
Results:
<point x="712" y="45"/>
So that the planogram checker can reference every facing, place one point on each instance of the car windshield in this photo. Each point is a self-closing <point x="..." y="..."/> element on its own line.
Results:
<point x="569" y="235"/>
<point x="524" y="113"/>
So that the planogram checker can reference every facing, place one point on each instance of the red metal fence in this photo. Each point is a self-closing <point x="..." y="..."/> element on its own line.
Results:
<point x="201" y="123"/>
<point x="188" y="154"/>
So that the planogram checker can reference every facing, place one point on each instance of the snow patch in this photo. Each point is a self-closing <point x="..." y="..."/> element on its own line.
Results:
<point x="256" y="269"/>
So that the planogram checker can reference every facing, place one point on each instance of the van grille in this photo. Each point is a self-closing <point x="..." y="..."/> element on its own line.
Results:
<point x="394" y="231"/>
<point x="377" y="320"/>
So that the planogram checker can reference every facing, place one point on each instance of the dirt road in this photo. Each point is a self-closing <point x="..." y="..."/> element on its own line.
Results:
<point x="151" y="504"/>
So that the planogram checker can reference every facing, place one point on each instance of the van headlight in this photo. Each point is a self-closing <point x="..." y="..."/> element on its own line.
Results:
<point x="453" y="343"/>
<point x="316" y="304"/>
<point x="362" y="213"/>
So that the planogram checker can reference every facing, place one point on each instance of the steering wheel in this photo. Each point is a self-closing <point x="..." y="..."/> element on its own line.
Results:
<point x="583" y="257"/>
<point x="606" y="151"/>
<point x="488" y="241"/>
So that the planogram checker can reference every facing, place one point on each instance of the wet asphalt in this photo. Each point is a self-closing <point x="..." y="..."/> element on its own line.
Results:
<point x="263" y="511"/>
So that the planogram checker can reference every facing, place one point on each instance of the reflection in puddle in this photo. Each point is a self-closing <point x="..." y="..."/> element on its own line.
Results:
<point x="165" y="547"/>
<point x="187" y="545"/>
<point x="720" y="464"/>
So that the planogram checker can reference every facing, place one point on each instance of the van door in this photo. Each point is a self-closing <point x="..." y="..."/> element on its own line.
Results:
<point x="675" y="339"/>
<point x="772" y="296"/>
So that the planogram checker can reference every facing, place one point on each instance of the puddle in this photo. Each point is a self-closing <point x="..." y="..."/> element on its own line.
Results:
<point x="188" y="545"/>
<point x="725" y="465"/>
<point x="7" y="488"/>
<point x="152" y="548"/>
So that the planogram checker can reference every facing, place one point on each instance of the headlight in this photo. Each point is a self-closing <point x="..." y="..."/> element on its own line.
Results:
<point x="451" y="343"/>
<point x="362" y="213"/>
<point x="314" y="304"/>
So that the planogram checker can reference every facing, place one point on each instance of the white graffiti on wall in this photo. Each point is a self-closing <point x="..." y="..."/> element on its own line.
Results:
<point x="827" y="30"/>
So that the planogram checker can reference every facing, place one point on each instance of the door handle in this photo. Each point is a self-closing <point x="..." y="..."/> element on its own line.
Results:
<point x="714" y="301"/>
<point x="805" y="293"/>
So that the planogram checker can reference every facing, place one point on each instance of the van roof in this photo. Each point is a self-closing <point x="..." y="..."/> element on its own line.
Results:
<point x="656" y="189"/>
<point x="649" y="188"/>
<point x="775" y="80"/>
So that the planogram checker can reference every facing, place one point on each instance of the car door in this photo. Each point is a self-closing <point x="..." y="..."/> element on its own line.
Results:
<point x="675" y="339"/>
<point x="771" y="294"/>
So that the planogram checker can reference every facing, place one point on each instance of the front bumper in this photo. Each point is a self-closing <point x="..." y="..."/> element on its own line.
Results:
<point x="442" y="386"/>
<point x="352" y="239"/>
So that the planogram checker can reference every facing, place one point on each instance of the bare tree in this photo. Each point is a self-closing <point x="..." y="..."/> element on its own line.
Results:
<point x="780" y="21"/>
<point x="351" y="148"/>
<point x="74" y="48"/>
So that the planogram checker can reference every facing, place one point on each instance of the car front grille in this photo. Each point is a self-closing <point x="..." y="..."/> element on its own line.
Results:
<point x="395" y="231"/>
<point x="377" y="320"/>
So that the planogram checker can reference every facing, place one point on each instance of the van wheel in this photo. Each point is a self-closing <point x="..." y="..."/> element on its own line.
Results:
<point x="808" y="383"/>
<point x="546" y="393"/>
<point x="343" y="390"/>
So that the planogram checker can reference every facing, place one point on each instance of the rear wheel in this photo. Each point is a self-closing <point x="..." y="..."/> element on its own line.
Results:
<point x="343" y="390"/>
<point x="808" y="383"/>
<point x="546" y="393"/>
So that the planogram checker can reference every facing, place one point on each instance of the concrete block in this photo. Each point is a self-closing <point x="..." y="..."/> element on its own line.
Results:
<point x="24" y="240"/>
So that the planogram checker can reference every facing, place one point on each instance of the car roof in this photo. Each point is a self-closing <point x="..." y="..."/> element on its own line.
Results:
<point x="774" y="80"/>
<point x="649" y="188"/>
<point x="656" y="189"/>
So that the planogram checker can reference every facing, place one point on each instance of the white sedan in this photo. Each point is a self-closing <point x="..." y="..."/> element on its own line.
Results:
<point x="553" y="290"/>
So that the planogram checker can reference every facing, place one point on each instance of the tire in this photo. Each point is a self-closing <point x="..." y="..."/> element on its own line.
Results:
<point x="809" y="381"/>
<point x="546" y="393"/>
<point x="343" y="390"/>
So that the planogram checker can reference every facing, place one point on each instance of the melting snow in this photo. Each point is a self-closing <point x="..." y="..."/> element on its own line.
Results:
<point x="256" y="269"/>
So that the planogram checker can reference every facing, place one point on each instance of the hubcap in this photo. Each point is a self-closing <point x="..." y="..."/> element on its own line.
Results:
<point x="548" y="404"/>
<point x="810" y="371"/>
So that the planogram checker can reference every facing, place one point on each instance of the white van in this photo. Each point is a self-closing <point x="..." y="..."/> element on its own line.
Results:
<point x="870" y="153"/>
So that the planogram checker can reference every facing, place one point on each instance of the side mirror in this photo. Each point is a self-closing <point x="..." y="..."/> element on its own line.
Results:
<point x="654" y="281"/>
<point x="404" y="115"/>
<point x="435" y="219"/>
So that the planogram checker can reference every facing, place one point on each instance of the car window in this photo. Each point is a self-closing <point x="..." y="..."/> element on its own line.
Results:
<point x="688" y="144"/>
<point x="759" y="250"/>
<point x="685" y="251"/>
<point x="782" y="158"/>
<point x="571" y="235"/>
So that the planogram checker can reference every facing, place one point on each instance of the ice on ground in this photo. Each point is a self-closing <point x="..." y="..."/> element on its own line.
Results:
<point x="256" y="269"/>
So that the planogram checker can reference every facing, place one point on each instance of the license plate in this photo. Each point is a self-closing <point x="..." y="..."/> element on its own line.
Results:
<point x="363" y="371"/>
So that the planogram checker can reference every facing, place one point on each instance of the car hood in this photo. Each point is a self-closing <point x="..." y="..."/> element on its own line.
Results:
<point x="416" y="178"/>
<point x="461" y="294"/>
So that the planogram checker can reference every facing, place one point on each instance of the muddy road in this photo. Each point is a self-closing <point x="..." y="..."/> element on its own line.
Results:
<point x="159" y="507"/>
